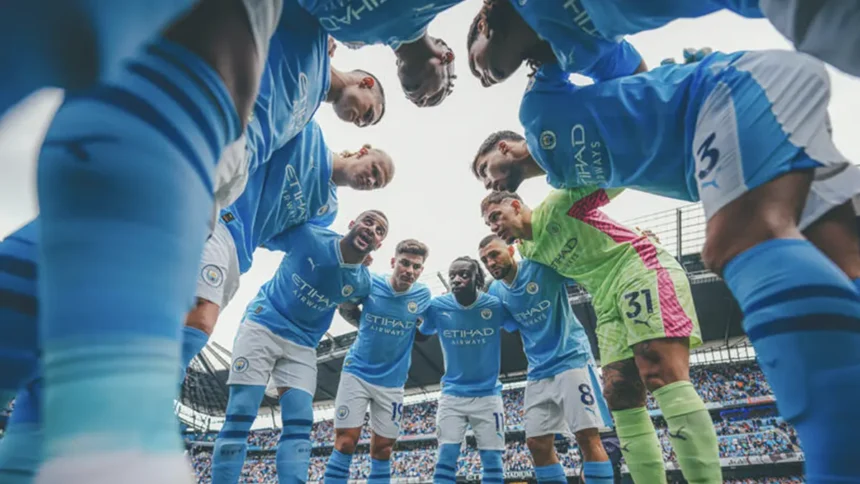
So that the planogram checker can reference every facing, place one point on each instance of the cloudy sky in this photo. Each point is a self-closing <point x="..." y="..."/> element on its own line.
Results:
<point x="433" y="197"/>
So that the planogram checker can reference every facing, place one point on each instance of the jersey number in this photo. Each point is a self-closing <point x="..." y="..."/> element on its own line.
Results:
<point x="585" y="394"/>
<point x="396" y="411"/>
<point x="499" y="421"/>
<point x="634" y="305"/>
<point x="708" y="156"/>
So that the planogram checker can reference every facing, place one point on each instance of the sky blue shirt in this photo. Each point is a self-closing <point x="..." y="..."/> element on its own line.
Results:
<point x="299" y="302"/>
<point x="634" y="132"/>
<point x="294" y="187"/>
<point x="553" y="339"/>
<point x="382" y="352"/>
<point x="295" y="81"/>
<point x="576" y="44"/>
<point x="614" y="18"/>
<point x="365" y="22"/>
<point x="471" y="343"/>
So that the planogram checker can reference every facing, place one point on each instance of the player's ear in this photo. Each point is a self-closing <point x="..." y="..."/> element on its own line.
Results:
<point x="367" y="82"/>
<point x="504" y="148"/>
<point x="516" y="205"/>
<point x="511" y="250"/>
<point x="351" y="225"/>
<point x="393" y="259"/>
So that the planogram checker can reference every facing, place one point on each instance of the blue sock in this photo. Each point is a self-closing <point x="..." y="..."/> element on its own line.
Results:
<point x="71" y="44"/>
<point x="193" y="342"/>
<point x="337" y="468"/>
<point x="494" y="471"/>
<point x="446" y="464"/>
<point x="802" y="315"/>
<point x="21" y="446"/>
<point x="380" y="471"/>
<point x="857" y="283"/>
<point x="293" y="457"/>
<point x="553" y="473"/>
<point x="19" y="345"/>
<point x="598" y="472"/>
<point x="125" y="169"/>
<point x="231" y="445"/>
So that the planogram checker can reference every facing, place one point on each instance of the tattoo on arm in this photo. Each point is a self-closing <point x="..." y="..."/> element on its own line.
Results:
<point x="351" y="312"/>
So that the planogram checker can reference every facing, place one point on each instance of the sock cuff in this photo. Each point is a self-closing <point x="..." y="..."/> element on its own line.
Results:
<point x="599" y="469"/>
<point x="377" y="462"/>
<point x="632" y="422"/>
<point x="764" y="247"/>
<point x="678" y="398"/>
<point x="549" y="471"/>
<point x="194" y="334"/>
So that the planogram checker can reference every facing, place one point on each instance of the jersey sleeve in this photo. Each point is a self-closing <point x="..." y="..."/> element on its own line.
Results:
<point x="364" y="287"/>
<point x="620" y="61"/>
<point x="428" y="326"/>
<point x="287" y="239"/>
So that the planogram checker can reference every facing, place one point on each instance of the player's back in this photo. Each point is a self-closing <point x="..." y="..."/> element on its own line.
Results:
<point x="295" y="81"/>
<point x="294" y="187"/>
<point x="471" y="343"/>
<point x="633" y="132"/>
<point x="382" y="352"/>
<point x="578" y="240"/>
<point x="299" y="302"/>
<point x="576" y="45"/>
<point x="363" y="22"/>
<point x="553" y="339"/>
<point x="613" y="18"/>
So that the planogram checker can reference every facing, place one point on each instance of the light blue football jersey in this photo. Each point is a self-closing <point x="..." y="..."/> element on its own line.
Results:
<point x="294" y="187"/>
<point x="614" y="18"/>
<point x="299" y="302"/>
<point x="471" y="343"/>
<point x="576" y="44"/>
<point x="633" y="132"/>
<point x="366" y="22"/>
<point x="382" y="352"/>
<point x="295" y="81"/>
<point x="553" y="339"/>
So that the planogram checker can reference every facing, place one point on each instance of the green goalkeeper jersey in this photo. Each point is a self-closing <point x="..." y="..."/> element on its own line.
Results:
<point x="573" y="236"/>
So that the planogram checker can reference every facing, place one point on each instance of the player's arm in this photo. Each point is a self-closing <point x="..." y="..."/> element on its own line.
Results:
<point x="419" y="336"/>
<point x="350" y="311"/>
<point x="618" y="61"/>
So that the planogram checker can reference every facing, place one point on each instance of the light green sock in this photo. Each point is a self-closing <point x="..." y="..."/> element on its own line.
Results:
<point x="691" y="432"/>
<point x="640" y="445"/>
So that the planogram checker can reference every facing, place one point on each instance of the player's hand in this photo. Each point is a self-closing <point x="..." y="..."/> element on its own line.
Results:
<point x="691" y="55"/>
<point x="332" y="46"/>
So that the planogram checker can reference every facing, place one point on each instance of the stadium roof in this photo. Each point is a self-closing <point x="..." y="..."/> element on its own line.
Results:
<point x="205" y="389"/>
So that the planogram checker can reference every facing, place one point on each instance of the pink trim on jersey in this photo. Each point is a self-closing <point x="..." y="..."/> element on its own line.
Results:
<point x="676" y="323"/>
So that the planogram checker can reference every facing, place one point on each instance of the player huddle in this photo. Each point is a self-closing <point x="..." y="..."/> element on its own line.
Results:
<point x="186" y="141"/>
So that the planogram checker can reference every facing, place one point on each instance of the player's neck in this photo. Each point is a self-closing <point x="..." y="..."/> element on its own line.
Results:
<point x="350" y="254"/>
<point x="466" y="299"/>
<point x="423" y="48"/>
<point x="530" y="167"/>
<point x="339" y="81"/>
<point x="512" y="274"/>
<point x="338" y="170"/>
<point x="528" y="228"/>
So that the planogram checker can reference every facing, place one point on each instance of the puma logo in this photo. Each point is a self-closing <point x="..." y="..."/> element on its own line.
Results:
<point x="677" y="435"/>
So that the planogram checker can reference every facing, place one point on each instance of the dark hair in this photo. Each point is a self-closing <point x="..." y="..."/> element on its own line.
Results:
<point x="499" y="15"/>
<point x="489" y="240"/>
<point x="375" y="212"/>
<point x="381" y="92"/>
<point x="480" y="277"/>
<point x="490" y="144"/>
<point x="498" y="197"/>
<point x="449" y="67"/>
<point x="412" y="246"/>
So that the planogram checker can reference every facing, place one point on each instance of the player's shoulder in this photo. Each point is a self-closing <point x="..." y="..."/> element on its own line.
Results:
<point x="445" y="301"/>
<point x="487" y="300"/>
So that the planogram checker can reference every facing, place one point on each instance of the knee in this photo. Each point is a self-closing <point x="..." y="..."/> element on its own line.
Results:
<point x="203" y="316"/>
<point x="590" y="445"/>
<point x="345" y="444"/>
<point x="622" y="395"/>
<point x="541" y="449"/>
<point x="381" y="451"/>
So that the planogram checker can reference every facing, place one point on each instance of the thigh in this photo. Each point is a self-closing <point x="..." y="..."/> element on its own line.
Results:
<point x="296" y="367"/>
<point x="451" y="421"/>
<point x="350" y="403"/>
<point x="218" y="279"/>
<point x="487" y="417"/>
<point x="582" y="400"/>
<point x="255" y="351"/>
<point x="386" y="410"/>
<point x="657" y="303"/>
<point x="543" y="415"/>
<point x="764" y="116"/>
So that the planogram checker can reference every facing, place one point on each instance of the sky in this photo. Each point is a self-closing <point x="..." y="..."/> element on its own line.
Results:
<point x="433" y="197"/>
